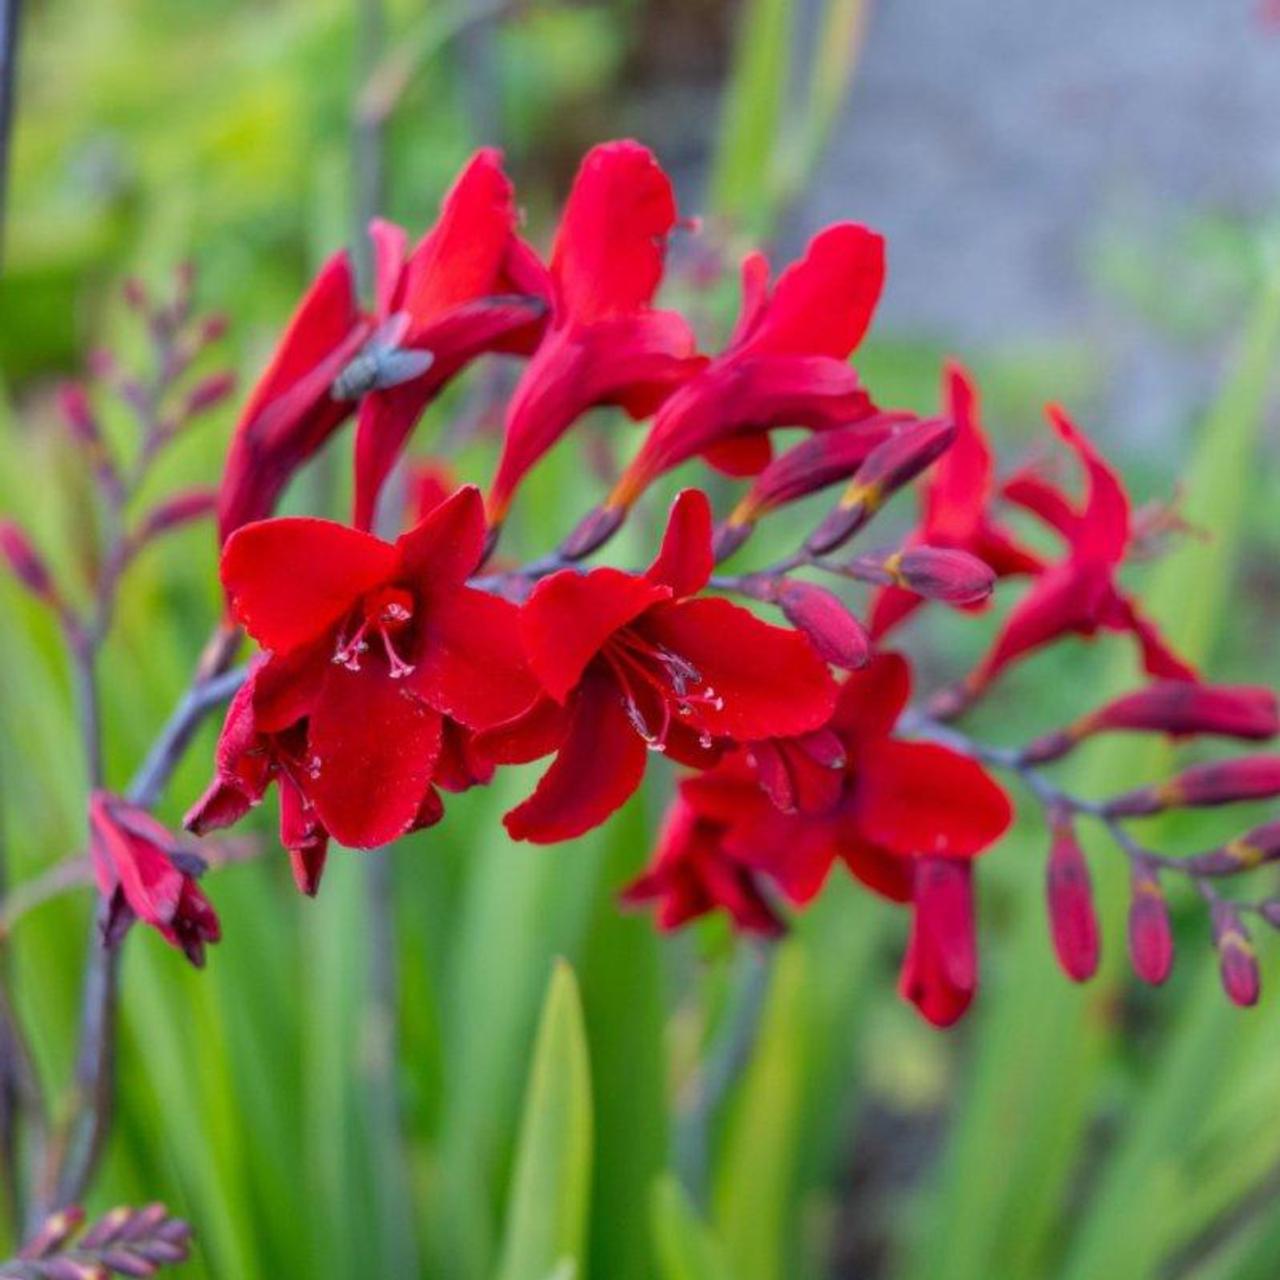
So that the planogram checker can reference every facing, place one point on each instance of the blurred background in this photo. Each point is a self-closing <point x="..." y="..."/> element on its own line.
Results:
<point x="1080" y="202"/>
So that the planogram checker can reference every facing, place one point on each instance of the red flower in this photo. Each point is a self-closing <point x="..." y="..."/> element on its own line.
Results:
<point x="904" y="816"/>
<point x="469" y="287"/>
<point x="291" y="412"/>
<point x="785" y="365"/>
<point x="374" y="644"/>
<point x="1080" y="594"/>
<point x="144" y="875"/>
<point x="957" y="506"/>
<point x="606" y="344"/>
<point x="254" y="750"/>
<point x="631" y="662"/>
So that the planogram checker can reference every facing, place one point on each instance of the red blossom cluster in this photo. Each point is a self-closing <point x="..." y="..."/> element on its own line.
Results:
<point x="395" y="669"/>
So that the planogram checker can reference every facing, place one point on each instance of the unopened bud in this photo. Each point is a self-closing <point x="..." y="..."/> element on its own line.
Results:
<point x="182" y="508"/>
<point x="824" y="618"/>
<point x="213" y="327"/>
<point x="1072" y="919"/>
<point x="1236" y="959"/>
<point x="77" y="413"/>
<point x="209" y="392"/>
<point x="593" y="531"/>
<point x="135" y="293"/>
<point x="1270" y="912"/>
<point x="1184" y="707"/>
<point x="53" y="1233"/>
<point x="889" y="466"/>
<point x="25" y="562"/>
<point x="1204" y="785"/>
<point x="938" y="573"/>
<point x="1150" y="934"/>
<point x="823" y="459"/>
<point x="1261" y="844"/>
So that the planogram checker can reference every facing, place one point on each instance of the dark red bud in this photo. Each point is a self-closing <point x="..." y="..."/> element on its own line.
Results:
<point x="593" y="531"/>
<point x="77" y="413"/>
<point x="1236" y="959"/>
<point x="181" y="509"/>
<point x="1072" y="918"/>
<point x="889" y="466"/>
<point x="209" y="392"/>
<point x="213" y="327"/>
<point x="833" y="631"/>
<point x="1150" y="934"/>
<point x="825" y="458"/>
<point x="135" y="293"/>
<point x="25" y="562"/>
<point x="1203" y="785"/>
<point x="955" y="577"/>
<point x="1261" y="844"/>
<point x="1183" y="707"/>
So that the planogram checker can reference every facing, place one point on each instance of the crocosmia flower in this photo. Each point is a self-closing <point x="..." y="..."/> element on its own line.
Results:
<point x="606" y="344"/>
<point x="374" y="644"/>
<point x="1080" y="594"/>
<point x="291" y="412"/>
<point x="957" y="506"/>
<point x="906" y="819"/>
<point x="635" y="662"/>
<point x="144" y="875"/>
<point x="470" y="286"/>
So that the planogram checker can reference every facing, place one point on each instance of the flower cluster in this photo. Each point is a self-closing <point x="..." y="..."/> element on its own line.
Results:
<point x="402" y="660"/>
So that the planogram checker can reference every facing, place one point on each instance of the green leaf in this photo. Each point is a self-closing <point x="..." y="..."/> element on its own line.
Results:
<point x="752" y="114"/>
<point x="550" y="1189"/>
<point x="684" y="1244"/>
<point x="755" y="1189"/>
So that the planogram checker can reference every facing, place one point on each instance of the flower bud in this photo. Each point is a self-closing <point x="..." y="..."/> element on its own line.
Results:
<point x="1270" y="912"/>
<point x="182" y="508"/>
<point x="729" y="537"/>
<point x="1184" y="707"/>
<point x="209" y="392"/>
<point x="53" y="1232"/>
<point x="1261" y="844"/>
<point x="77" y="413"/>
<point x="833" y="631"/>
<point x="25" y="562"/>
<point x="889" y="466"/>
<point x="1236" y="959"/>
<point x="1072" y="919"/>
<point x="938" y="573"/>
<point x="213" y="327"/>
<point x="1150" y="934"/>
<point x="1204" y="785"/>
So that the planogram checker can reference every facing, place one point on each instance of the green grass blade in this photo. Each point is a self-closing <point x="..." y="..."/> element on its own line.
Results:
<point x="684" y="1244"/>
<point x="550" y="1191"/>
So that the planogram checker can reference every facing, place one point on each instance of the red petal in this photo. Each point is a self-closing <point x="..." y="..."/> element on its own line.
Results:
<point x="684" y="562"/>
<point x="570" y="615"/>
<point x="771" y="682"/>
<point x="823" y="303"/>
<point x="531" y="735"/>
<point x="390" y="245"/>
<point x="447" y="545"/>
<point x="290" y="413"/>
<point x="598" y="766"/>
<point x="290" y="580"/>
<point x="609" y="250"/>
<point x="1104" y="522"/>
<point x="940" y="970"/>
<point x="882" y="871"/>
<point x="374" y="747"/>
<point x="743" y="456"/>
<point x="470" y="665"/>
<point x="460" y="257"/>
<point x="960" y="484"/>
<point x="921" y="798"/>
<point x="891" y="606"/>
<point x="871" y="700"/>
